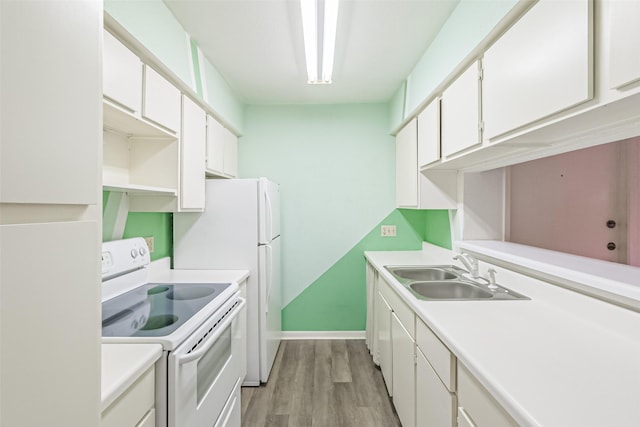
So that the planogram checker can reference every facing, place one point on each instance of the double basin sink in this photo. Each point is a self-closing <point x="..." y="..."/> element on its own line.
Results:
<point x="449" y="283"/>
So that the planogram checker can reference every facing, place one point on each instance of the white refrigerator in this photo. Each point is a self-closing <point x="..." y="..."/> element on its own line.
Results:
<point x="240" y="230"/>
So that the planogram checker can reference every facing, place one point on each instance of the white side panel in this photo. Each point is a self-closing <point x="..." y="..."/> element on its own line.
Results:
<point x="225" y="236"/>
<point x="192" y="153"/>
<point x="270" y="306"/>
<point x="269" y="210"/>
<point x="50" y="324"/>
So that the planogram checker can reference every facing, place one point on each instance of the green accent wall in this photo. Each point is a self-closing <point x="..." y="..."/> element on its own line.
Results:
<point x="156" y="224"/>
<point x="137" y="224"/>
<point x="336" y="301"/>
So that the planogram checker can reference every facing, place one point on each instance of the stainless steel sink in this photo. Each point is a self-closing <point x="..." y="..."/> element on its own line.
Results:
<point x="426" y="274"/>
<point x="423" y="273"/>
<point x="448" y="283"/>
<point x="449" y="290"/>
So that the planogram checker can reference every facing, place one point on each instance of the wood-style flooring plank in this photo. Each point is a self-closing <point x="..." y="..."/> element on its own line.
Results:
<point x="320" y="383"/>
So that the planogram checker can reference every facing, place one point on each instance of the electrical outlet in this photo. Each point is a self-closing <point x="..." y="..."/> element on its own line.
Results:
<point x="150" y="243"/>
<point x="388" y="231"/>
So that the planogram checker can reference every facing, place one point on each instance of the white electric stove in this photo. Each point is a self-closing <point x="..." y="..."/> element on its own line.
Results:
<point x="200" y="325"/>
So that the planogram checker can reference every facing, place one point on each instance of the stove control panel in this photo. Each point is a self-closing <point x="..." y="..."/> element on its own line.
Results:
<point x="123" y="256"/>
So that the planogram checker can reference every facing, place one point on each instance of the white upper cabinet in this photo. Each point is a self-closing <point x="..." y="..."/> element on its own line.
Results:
<point x="222" y="150"/>
<point x="122" y="75"/>
<point x="434" y="189"/>
<point x="540" y="66"/>
<point x="162" y="100"/>
<point x="192" y="153"/>
<point x="429" y="134"/>
<point x="624" y="43"/>
<point x="51" y="104"/>
<point x="460" y="109"/>
<point x="407" y="165"/>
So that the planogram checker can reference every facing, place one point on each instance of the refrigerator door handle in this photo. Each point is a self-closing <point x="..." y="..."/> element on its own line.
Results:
<point x="269" y="266"/>
<point x="268" y="218"/>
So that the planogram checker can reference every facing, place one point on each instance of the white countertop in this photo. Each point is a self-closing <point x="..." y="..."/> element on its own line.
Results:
<point x="122" y="365"/>
<point x="160" y="271"/>
<point x="561" y="359"/>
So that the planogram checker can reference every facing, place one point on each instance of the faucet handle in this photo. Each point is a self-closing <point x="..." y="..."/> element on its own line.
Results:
<point x="492" y="279"/>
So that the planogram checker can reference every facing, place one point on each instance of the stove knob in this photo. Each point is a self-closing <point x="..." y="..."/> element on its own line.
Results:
<point x="142" y="251"/>
<point x="134" y="253"/>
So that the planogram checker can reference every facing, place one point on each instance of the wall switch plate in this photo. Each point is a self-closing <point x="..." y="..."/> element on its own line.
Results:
<point x="150" y="243"/>
<point x="388" y="231"/>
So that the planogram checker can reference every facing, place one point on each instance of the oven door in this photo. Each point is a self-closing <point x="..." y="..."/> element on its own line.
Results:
<point x="204" y="370"/>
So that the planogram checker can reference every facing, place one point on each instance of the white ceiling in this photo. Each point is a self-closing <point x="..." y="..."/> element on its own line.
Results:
<point x="257" y="46"/>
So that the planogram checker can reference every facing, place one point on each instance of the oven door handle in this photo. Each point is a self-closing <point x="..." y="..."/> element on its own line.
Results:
<point x="190" y="357"/>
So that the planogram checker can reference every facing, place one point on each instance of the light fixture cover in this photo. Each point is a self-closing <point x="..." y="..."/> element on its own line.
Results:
<point x="319" y="24"/>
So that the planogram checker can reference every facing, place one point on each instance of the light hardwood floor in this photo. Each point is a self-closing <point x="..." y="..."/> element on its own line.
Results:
<point x="320" y="383"/>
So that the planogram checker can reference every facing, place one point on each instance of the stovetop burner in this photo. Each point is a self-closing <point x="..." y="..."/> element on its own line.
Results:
<point x="156" y="309"/>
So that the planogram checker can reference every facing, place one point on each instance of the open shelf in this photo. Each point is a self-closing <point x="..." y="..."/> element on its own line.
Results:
<point x="141" y="190"/>
<point x="119" y="120"/>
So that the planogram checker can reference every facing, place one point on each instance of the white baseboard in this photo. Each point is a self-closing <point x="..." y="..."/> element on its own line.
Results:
<point x="323" y="335"/>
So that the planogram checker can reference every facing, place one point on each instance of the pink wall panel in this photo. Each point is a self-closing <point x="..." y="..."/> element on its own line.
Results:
<point x="563" y="202"/>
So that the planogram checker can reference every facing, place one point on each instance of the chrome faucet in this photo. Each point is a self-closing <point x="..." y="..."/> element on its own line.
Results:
<point x="470" y="263"/>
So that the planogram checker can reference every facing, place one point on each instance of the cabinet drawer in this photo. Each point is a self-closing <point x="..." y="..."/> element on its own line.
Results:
<point x="133" y="404"/>
<point x="400" y="308"/>
<point x="480" y="406"/>
<point x="439" y="356"/>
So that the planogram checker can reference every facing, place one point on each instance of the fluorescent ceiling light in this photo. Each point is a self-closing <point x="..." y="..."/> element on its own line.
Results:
<point x="319" y="23"/>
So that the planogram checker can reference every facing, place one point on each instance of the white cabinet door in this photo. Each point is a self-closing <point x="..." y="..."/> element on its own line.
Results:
<point x="371" y="338"/>
<point x="404" y="373"/>
<point x="383" y="328"/>
<point x="460" y="109"/>
<point x="231" y="155"/>
<point x="435" y="405"/>
<point x="51" y="103"/>
<point x="407" y="166"/>
<point x="624" y="42"/>
<point x="540" y="66"/>
<point x="479" y="405"/>
<point x="429" y="134"/>
<point x="464" y="420"/>
<point x="122" y="74"/>
<point x="192" y="153"/>
<point x="222" y="149"/>
<point x="162" y="100"/>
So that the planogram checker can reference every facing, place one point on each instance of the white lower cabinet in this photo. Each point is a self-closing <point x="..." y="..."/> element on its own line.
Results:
<point x="435" y="404"/>
<point x="383" y="333"/>
<point x="135" y="406"/>
<point x="149" y="420"/>
<point x="404" y="373"/>
<point x="428" y="386"/>
<point x="478" y="405"/>
<point x="463" y="419"/>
